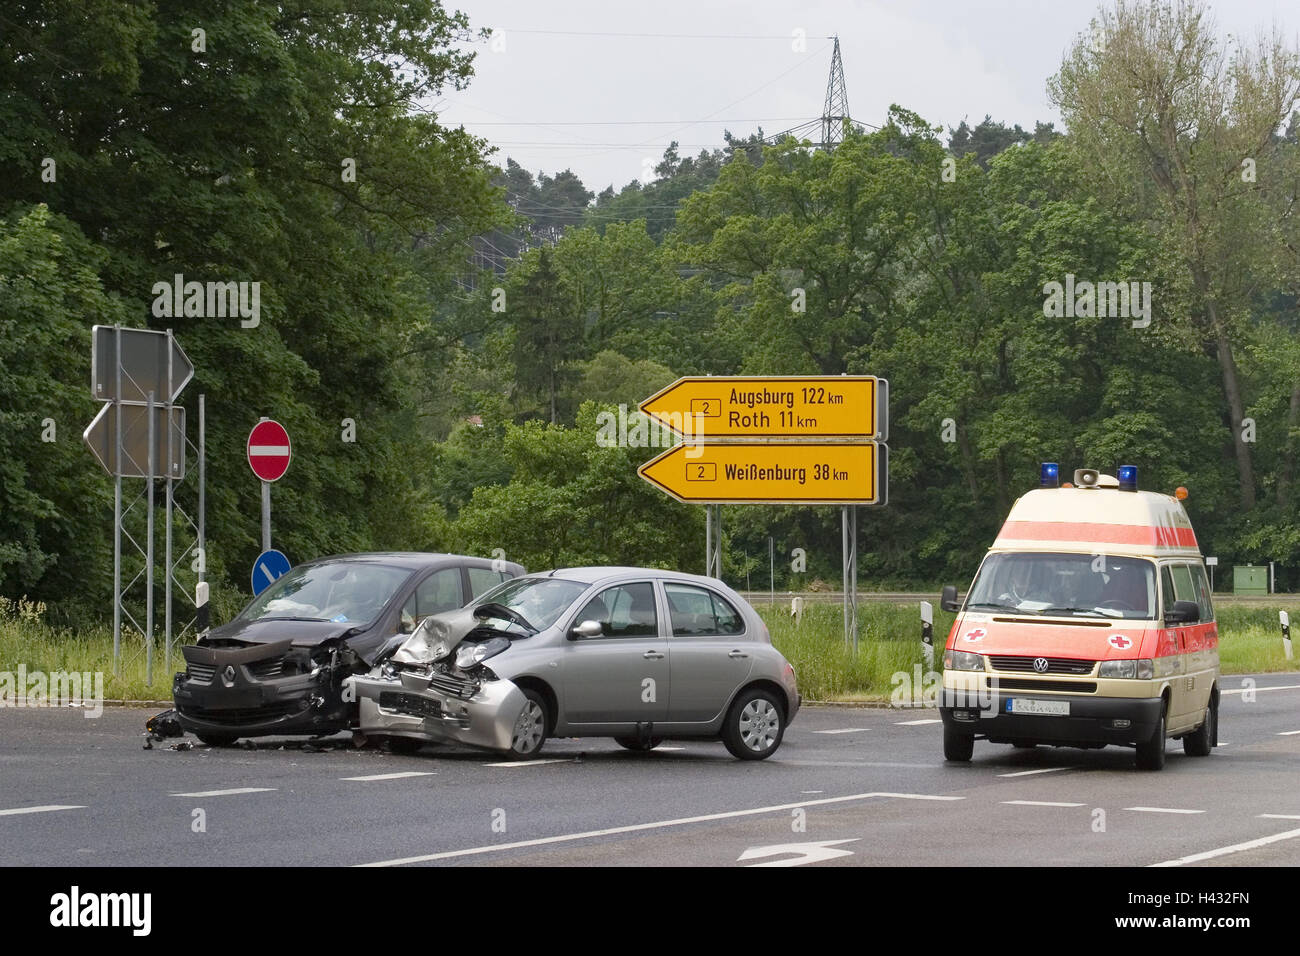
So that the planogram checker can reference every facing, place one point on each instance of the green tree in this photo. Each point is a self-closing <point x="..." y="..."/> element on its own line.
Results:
<point x="1180" y="127"/>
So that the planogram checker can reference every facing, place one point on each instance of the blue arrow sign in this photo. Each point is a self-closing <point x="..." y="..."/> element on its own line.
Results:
<point x="269" y="567"/>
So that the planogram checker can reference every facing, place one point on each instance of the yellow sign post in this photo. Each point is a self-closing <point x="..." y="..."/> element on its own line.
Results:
<point x="810" y="407"/>
<point x="826" y="473"/>
<point x="776" y="440"/>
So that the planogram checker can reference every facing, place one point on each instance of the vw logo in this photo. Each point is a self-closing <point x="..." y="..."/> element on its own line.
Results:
<point x="1040" y="664"/>
<point x="228" y="675"/>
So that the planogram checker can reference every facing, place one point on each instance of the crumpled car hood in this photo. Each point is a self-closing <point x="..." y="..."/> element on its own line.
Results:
<point x="449" y="628"/>
<point x="299" y="633"/>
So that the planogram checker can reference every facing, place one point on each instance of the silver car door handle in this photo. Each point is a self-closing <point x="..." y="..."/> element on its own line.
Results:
<point x="737" y="654"/>
<point x="653" y="656"/>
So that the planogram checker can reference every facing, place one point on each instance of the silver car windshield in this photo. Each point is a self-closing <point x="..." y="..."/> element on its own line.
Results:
<point x="540" y="601"/>
<point x="1072" y="585"/>
<point x="343" y="592"/>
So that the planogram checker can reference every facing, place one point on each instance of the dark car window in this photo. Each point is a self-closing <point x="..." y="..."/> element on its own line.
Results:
<point x="627" y="610"/>
<point x="1167" y="588"/>
<point x="482" y="580"/>
<point x="1183" y="590"/>
<point x="438" y="592"/>
<point x="1202" y="587"/>
<point x="698" y="611"/>
<point x="342" y="591"/>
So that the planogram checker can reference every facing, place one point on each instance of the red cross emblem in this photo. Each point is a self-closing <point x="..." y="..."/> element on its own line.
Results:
<point x="1120" y="641"/>
<point x="975" y="635"/>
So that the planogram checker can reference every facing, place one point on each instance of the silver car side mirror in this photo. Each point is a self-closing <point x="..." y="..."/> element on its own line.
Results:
<point x="587" y="629"/>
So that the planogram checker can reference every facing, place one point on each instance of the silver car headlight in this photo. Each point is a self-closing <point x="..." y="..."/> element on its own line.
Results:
<point x="1133" y="670"/>
<point x="467" y="655"/>
<point x="962" y="661"/>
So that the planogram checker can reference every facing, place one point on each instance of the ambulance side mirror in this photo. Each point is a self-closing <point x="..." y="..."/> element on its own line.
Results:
<point x="948" y="599"/>
<point x="1183" y="612"/>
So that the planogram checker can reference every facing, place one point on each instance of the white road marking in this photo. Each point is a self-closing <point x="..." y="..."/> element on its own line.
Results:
<point x="917" y="723"/>
<point x="812" y="791"/>
<point x="806" y="852"/>
<point x="1279" y="816"/>
<point x="664" y="750"/>
<point x="515" y="764"/>
<point x="1039" y="803"/>
<point x="642" y="827"/>
<point x="1235" y="848"/>
<point x="1030" y="773"/>
<point x="394" y="776"/>
<point x="1162" y="810"/>
<point x="45" y="809"/>
<point x="844" y="730"/>
<point x="225" y="793"/>
<point x="1256" y="690"/>
<point x="1287" y="733"/>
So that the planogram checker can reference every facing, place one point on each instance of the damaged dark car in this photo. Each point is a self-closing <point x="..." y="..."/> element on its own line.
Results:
<point x="279" y="667"/>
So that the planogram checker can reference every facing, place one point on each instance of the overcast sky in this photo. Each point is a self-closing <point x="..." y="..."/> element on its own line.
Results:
<point x="562" y="64"/>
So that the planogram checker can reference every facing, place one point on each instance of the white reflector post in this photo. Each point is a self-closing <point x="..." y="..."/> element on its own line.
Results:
<point x="201" y="607"/>
<point x="1286" y="632"/>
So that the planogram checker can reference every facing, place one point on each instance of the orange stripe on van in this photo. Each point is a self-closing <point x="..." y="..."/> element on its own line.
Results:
<point x="1096" y="533"/>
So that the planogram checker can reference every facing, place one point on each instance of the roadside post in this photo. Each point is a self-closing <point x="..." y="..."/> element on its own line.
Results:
<point x="776" y="440"/>
<point x="139" y="432"/>
<point x="1286" y="632"/>
<point x="269" y="452"/>
<point x="927" y="634"/>
<point x="1211" y="563"/>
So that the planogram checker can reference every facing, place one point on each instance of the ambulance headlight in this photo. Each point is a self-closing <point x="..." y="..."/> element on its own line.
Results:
<point x="962" y="661"/>
<point x="1133" y="670"/>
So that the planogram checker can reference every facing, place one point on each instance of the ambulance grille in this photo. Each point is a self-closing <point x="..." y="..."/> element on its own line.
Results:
<point x="1055" y="665"/>
<point x="1069" y="686"/>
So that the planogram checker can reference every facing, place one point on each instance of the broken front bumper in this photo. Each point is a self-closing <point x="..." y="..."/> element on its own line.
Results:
<point x="247" y="692"/>
<point x="438" y="708"/>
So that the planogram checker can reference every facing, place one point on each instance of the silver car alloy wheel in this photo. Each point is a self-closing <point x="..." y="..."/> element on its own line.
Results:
<point x="528" y="729"/>
<point x="758" y="724"/>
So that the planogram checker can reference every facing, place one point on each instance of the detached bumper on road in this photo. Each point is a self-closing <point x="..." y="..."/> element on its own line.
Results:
<point x="409" y="706"/>
<point x="1091" y="722"/>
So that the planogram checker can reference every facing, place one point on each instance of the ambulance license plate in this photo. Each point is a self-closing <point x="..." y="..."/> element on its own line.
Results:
<point x="1044" y="708"/>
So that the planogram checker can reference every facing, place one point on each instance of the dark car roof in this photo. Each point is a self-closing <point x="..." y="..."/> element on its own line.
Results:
<point x="410" y="559"/>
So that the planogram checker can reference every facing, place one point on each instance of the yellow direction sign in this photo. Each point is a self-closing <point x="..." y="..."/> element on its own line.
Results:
<point x="842" y="473"/>
<point x="783" y="406"/>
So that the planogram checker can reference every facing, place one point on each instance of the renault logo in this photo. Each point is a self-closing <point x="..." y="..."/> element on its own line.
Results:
<point x="1040" y="664"/>
<point x="228" y="675"/>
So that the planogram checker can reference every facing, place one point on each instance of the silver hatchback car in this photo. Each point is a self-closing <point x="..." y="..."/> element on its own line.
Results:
<point x="637" y="654"/>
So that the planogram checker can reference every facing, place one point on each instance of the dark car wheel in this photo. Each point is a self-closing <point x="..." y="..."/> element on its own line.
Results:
<point x="1151" y="753"/>
<point x="529" y="733"/>
<point x="636" y="743"/>
<point x="754" y="725"/>
<point x="218" y="740"/>
<point x="1201" y="742"/>
<point x="957" y="746"/>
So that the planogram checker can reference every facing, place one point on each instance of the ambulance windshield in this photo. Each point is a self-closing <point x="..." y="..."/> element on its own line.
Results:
<point x="1070" y="585"/>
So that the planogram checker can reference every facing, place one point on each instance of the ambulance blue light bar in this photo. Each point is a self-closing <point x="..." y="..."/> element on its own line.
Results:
<point x="1128" y="478"/>
<point x="1049" y="475"/>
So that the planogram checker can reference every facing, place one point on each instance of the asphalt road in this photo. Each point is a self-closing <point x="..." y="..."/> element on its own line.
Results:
<point x="867" y="784"/>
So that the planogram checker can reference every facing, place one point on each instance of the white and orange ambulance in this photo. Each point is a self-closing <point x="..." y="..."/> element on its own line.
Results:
<point x="1088" y="623"/>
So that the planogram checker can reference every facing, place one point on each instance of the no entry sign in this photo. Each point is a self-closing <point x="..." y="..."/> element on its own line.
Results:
<point x="269" y="450"/>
